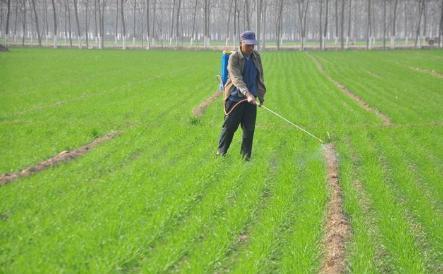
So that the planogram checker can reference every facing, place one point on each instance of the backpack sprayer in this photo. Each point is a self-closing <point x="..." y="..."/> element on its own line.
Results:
<point x="223" y="78"/>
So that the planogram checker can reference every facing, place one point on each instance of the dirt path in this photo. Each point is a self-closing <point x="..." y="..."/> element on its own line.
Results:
<point x="61" y="157"/>
<point x="199" y="110"/>
<point x="362" y="103"/>
<point x="428" y="71"/>
<point x="337" y="227"/>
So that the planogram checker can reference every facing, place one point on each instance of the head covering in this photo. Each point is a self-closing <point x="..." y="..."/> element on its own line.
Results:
<point x="248" y="37"/>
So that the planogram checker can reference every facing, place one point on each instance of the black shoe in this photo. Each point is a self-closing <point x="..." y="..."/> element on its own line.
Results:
<point x="246" y="158"/>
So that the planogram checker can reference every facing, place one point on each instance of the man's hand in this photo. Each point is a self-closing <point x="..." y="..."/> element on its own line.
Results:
<point x="251" y="98"/>
<point x="261" y="100"/>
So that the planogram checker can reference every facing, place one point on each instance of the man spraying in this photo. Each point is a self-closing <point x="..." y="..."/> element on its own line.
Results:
<point x="244" y="86"/>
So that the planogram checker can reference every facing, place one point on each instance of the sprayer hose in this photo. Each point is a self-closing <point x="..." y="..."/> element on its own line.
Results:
<point x="236" y="104"/>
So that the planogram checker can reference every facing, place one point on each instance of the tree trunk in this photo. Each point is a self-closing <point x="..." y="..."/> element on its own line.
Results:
<point x="420" y="13"/>
<point x="440" y="32"/>
<point x="45" y="29"/>
<point x="234" y="34"/>
<point x="24" y="23"/>
<point x="425" y="20"/>
<point x="55" y="23"/>
<point x="394" y="23"/>
<point x="95" y="23"/>
<point x="15" y="22"/>
<point x="248" y="22"/>
<point x="368" y="32"/>
<point x="133" y="25"/>
<point x="86" y="23"/>
<point x="228" y="23"/>
<point x="326" y="23"/>
<point x="348" y="37"/>
<point x="336" y="21"/>
<point x="321" y="24"/>
<point x="257" y="21"/>
<point x="116" y="22"/>
<point x="154" y="11"/>
<point x="342" y="25"/>
<point x="279" y="23"/>
<point x="78" y="24"/>
<point x="206" y="28"/>
<point x="171" y="30"/>
<point x="36" y="24"/>
<point x="122" y="10"/>
<point x="265" y="7"/>
<point x="102" y="24"/>
<point x="68" y="10"/>
<point x="177" y="23"/>
<point x="7" y="23"/>
<point x="302" y="14"/>
<point x="148" y="27"/>
<point x="384" y="24"/>
<point x="193" y="21"/>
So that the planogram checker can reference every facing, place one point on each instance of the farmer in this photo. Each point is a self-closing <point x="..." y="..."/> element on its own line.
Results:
<point x="244" y="86"/>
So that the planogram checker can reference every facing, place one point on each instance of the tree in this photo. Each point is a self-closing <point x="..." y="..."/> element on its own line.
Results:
<point x="206" y="24"/>
<point x="116" y="21"/>
<point x="177" y="22"/>
<point x="440" y="32"/>
<point x="248" y="23"/>
<point x="342" y="24"/>
<point x="193" y="22"/>
<point x="421" y="6"/>
<point x="134" y="34"/>
<point x="54" y="13"/>
<point x="86" y="23"/>
<point x="36" y="23"/>
<point x="148" y="29"/>
<point x="321" y="24"/>
<point x="326" y="21"/>
<point x="336" y="22"/>
<point x="24" y="21"/>
<point x="303" y="6"/>
<point x="7" y="22"/>
<point x="368" y="29"/>
<point x="68" y="12"/>
<point x="46" y="28"/>
<point x="78" y="24"/>
<point x="101" y="6"/>
<point x="171" y="32"/>
<point x="384" y="24"/>
<point x="279" y="20"/>
<point x="257" y="21"/>
<point x="123" y="22"/>
<point x="349" y="24"/>
<point x="394" y="23"/>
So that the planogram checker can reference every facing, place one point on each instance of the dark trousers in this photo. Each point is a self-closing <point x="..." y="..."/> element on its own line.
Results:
<point x="244" y="114"/>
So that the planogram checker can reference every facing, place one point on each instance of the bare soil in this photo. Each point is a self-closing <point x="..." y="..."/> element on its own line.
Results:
<point x="337" y="227"/>
<point x="199" y="110"/>
<point x="362" y="103"/>
<point x="61" y="157"/>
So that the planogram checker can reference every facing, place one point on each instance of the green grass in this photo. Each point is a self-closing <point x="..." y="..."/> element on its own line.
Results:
<point x="156" y="199"/>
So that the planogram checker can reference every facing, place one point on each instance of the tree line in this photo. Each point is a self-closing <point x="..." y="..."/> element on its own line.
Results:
<point x="177" y="23"/>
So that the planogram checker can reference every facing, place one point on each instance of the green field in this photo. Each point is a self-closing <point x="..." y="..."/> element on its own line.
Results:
<point x="156" y="199"/>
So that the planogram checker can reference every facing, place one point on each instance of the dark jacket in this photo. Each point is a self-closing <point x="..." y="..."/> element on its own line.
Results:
<point x="236" y="66"/>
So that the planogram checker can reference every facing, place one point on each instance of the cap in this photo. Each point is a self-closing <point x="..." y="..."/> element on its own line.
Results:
<point x="248" y="37"/>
